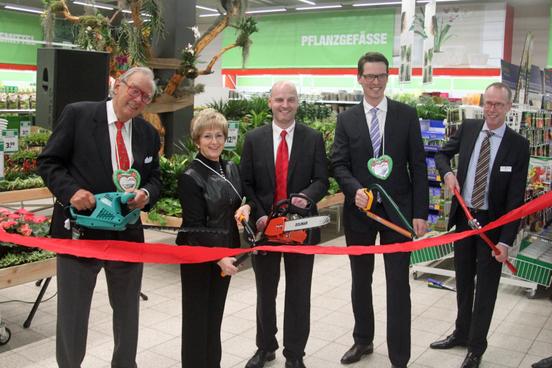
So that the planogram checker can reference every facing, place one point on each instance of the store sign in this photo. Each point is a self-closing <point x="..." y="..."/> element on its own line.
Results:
<point x="11" y="140"/>
<point x="232" y="139"/>
<point x="24" y="128"/>
<point x="327" y="39"/>
<point x="18" y="32"/>
<point x="408" y="8"/>
<point x="430" y="24"/>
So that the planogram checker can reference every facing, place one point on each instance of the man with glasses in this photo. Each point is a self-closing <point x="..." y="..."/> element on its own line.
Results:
<point x="91" y="141"/>
<point x="380" y="129"/>
<point x="491" y="176"/>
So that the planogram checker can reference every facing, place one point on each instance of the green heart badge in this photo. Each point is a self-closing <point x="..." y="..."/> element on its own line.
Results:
<point x="126" y="181"/>
<point x="381" y="166"/>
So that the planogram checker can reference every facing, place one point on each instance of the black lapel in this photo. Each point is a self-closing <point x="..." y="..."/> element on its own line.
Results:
<point x="362" y="127"/>
<point x="471" y="138"/>
<point x="101" y="138"/>
<point x="388" y="129"/>
<point x="267" y="145"/>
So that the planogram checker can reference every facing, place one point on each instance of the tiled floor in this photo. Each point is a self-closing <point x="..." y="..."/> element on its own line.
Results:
<point x="521" y="331"/>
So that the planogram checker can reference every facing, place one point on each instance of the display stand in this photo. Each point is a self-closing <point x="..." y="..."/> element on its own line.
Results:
<point x="43" y="271"/>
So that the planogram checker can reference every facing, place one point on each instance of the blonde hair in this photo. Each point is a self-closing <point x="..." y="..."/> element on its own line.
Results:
<point x="208" y="119"/>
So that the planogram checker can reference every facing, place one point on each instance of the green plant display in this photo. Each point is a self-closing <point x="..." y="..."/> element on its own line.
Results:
<point x="36" y="139"/>
<point x="433" y="108"/>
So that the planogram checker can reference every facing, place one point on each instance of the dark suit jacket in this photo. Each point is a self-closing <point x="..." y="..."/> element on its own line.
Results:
<point x="506" y="189"/>
<point x="78" y="155"/>
<point x="407" y="184"/>
<point x="307" y="170"/>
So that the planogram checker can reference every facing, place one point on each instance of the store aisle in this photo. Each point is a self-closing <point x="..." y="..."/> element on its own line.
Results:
<point x="521" y="331"/>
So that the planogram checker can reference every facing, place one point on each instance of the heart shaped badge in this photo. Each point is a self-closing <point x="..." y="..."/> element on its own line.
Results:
<point x="126" y="181"/>
<point x="380" y="167"/>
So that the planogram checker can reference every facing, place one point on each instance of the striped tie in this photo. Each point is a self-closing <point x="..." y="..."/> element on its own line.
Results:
<point x="375" y="132"/>
<point x="481" y="171"/>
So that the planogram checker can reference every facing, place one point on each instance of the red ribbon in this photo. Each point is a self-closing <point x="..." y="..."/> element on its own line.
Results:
<point x="115" y="250"/>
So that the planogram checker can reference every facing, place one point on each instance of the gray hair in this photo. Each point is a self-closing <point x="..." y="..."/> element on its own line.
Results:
<point x="140" y="69"/>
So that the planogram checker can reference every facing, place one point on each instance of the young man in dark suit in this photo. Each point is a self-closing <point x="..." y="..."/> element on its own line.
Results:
<point x="280" y="159"/>
<point x="492" y="172"/>
<point x="375" y="127"/>
<point x="91" y="141"/>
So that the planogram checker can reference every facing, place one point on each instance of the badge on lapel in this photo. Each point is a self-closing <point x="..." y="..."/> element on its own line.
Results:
<point x="380" y="167"/>
<point x="126" y="181"/>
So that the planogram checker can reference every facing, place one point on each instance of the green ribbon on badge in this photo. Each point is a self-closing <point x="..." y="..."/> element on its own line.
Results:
<point x="380" y="167"/>
<point x="126" y="181"/>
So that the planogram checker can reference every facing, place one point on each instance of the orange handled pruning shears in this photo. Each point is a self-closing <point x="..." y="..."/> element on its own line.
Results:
<point x="381" y="220"/>
<point x="475" y="225"/>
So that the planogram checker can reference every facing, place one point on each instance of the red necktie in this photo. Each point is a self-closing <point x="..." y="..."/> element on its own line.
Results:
<point x="123" y="162"/>
<point x="281" y="169"/>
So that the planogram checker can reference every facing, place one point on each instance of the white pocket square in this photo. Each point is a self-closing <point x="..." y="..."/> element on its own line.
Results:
<point x="148" y="160"/>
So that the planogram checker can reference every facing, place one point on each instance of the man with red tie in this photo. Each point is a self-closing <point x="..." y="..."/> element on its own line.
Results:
<point x="280" y="159"/>
<point x="91" y="142"/>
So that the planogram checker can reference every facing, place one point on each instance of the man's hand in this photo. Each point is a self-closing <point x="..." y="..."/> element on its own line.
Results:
<point x="420" y="227"/>
<point x="451" y="182"/>
<point x="227" y="266"/>
<point x="261" y="223"/>
<point x="503" y="256"/>
<point x="361" y="199"/>
<point x="299" y="202"/>
<point x="139" y="201"/>
<point x="83" y="200"/>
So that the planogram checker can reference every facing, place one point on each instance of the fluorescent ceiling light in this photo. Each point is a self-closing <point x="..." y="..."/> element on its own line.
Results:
<point x="438" y="1"/>
<point x="23" y="8"/>
<point x="96" y="5"/>
<point x="206" y="8"/>
<point x="378" y="4"/>
<point x="319" y="7"/>
<point x="209" y="15"/>
<point x="277" y="10"/>
<point x="126" y="11"/>
<point x="308" y="2"/>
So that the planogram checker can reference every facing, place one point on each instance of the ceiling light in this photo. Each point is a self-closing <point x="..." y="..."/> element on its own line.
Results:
<point x="23" y="8"/>
<point x="308" y="2"/>
<point x="378" y="4"/>
<point x="95" y="5"/>
<point x="126" y="11"/>
<point x="206" y="8"/>
<point x="319" y="7"/>
<point x="209" y="15"/>
<point x="277" y="10"/>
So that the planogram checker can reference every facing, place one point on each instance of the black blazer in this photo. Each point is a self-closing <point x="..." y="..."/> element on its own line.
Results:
<point x="352" y="148"/>
<point x="307" y="170"/>
<point x="78" y="155"/>
<point x="506" y="188"/>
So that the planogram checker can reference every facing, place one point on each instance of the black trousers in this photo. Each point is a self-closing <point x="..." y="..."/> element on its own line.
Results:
<point x="76" y="279"/>
<point x="203" y="298"/>
<point x="298" y="268"/>
<point x="398" y="293"/>
<point x="475" y="300"/>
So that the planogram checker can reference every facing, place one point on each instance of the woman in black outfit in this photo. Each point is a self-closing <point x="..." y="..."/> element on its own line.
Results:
<point x="210" y="195"/>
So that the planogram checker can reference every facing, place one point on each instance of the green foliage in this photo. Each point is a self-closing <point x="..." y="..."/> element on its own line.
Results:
<point x="33" y="181"/>
<point x="165" y="207"/>
<point x="433" y="108"/>
<point x="14" y="259"/>
<point x="36" y="139"/>
<point x="309" y="112"/>
<point x="171" y="168"/>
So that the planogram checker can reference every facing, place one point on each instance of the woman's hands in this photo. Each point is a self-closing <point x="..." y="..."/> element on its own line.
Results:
<point x="227" y="266"/>
<point x="242" y="213"/>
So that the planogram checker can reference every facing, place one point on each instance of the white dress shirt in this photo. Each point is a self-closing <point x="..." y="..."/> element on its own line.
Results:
<point x="127" y="136"/>
<point x="276" y="138"/>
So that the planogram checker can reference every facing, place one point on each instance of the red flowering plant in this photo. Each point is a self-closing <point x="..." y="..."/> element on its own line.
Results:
<point x="24" y="223"/>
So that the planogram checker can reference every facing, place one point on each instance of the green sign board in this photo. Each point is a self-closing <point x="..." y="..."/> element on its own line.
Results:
<point x="17" y="33"/>
<point x="315" y="40"/>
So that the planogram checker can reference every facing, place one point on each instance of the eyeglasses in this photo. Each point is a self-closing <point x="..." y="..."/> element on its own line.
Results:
<point x="497" y="105"/>
<point x="372" y="77"/>
<point x="135" y="92"/>
<point x="219" y="137"/>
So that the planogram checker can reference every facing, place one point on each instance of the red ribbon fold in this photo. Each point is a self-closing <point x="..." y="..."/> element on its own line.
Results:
<point x="115" y="250"/>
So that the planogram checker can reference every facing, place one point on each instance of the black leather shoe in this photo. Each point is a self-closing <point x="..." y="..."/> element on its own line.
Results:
<point x="472" y="361"/>
<point x="544" y="363"/>
<point x="295" y="363"/>
<point x="448" y="343"/>
<point x="259" y="359"/>
<point x="356" y="352"/>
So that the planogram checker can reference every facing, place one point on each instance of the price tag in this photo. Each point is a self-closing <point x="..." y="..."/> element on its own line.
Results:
<point x="233" y="131"/>
<point x="11" y="140"/>
<point x="24" y="128"/>
<point x="1" y="160"/>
